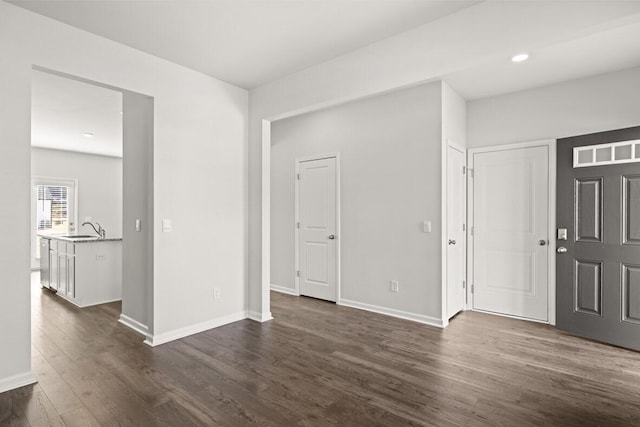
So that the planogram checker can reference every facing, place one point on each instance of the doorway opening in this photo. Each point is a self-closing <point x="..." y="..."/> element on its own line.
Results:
<point x="92" y="187"/>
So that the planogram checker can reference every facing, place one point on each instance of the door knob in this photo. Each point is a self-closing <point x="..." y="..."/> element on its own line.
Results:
<point x="562" y="250"/>
<point x="452" y="242"/>
<point x="542" y="242"/>
<point x="331" y="237"/>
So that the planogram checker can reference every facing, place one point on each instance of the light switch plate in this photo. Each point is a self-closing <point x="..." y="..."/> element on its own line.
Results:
<point x="166" y="225"/>
<point x="138" y="225"/>
<point x="426" y="226"/>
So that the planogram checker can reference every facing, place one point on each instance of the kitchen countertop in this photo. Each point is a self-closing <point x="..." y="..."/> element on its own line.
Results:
<point x="69" y="238"/>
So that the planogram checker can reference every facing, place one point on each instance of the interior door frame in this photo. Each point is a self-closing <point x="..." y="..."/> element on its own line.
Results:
<point x="551" y="145"/>
<point x="445" y="229"/>
<point x="300" y="160"/>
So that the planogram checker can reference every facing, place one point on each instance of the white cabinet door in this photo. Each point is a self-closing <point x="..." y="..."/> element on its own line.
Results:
<point x="53" y="265"/>
<point x="62" y="273"/>
<point x="71" y="276"/>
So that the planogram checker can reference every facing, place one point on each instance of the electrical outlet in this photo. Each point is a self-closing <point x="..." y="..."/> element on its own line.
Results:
<point x="100" y="257"/>
<point x="395" y="285"/>
<point x="216" y="293"/>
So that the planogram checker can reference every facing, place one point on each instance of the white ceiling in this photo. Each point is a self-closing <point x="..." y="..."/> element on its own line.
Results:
<point x="245" y="42"/>
<point x="63" y="110"/>
<point x="608" y="49"/>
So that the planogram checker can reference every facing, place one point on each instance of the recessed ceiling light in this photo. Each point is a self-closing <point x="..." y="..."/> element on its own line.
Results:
<point x="520" y="57"/>
<point x="88" y="134"/>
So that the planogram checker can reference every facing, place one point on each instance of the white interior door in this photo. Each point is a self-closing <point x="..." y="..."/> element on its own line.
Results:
<point x="510" y="218"/>
<point x="456" y="218"/>
<point x="317" y="217"/>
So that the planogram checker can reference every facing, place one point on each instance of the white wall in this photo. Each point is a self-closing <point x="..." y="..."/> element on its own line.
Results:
<point x="137" y="244"/>
<point x="594" y="104"/>
<point x="454" y="116"/>
<point x="389" y="149"/>
<point x="199" y="174"/>
<point x="99" y="184"/>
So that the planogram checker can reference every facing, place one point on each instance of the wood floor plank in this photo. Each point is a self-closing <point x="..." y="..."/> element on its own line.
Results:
<point x="80" y="418"/>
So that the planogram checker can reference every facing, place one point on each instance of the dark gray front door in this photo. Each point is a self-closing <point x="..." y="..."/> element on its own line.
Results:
<point x="598" y="277"/>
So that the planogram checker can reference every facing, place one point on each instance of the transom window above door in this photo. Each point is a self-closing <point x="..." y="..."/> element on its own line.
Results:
<point x="607" y="154"/>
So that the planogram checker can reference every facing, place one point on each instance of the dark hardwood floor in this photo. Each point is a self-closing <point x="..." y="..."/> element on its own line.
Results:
<point x="320" y="364"/>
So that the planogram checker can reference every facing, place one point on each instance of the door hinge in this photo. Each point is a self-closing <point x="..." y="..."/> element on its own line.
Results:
<point x="297" y="273"/>
<point x="297" y="225"/>
<point x="464" y="170"/>
<point x="464" y="227"/>
<point x="471" y="173"/>
<point x="472" y="227"/>
<point x="298" y="177"/>
<point x="472" y="288"/>
<point x="464" y="284"/>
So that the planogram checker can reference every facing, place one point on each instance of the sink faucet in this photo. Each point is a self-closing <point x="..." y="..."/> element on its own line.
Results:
<point x="100" y="231"/>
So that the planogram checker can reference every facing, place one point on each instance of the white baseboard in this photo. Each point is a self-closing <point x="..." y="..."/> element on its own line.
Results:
<point x="259" y="317"/>
<point x="284" y="290"/>
<point x="420" y="318"/>
<point x="80" y="304"/>
<point x="17" y="381"/>
<point x="176" y="334"/>
<point x="134" y="324"/>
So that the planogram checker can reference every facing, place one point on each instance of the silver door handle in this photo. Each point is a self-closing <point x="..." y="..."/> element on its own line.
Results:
<point x="331" y="237"/>
<point x="562" y="250"/>
<point x="542" y="242"/>
<point x="452" y="242"/>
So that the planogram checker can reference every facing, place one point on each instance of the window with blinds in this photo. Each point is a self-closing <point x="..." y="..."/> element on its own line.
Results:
<point x="52" y="208"/>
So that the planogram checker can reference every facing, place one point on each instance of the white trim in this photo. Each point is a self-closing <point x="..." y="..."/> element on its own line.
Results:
<point x="297" y="219"/>
<point x="176" y="334"/>
<point x="284" y="290"/>
<point x="265" y="249"/>
<point x="443" y="232"/>
<point x="259" y="317"/>
<point x="134" y="324"/>
<point x="511" y="316"/>
<point x="79" y="303"/>
<point x="17" y="381"/>
<point x="551" y="145"/>
<point x="552" y="242"/>
<point x="420" y="318"/>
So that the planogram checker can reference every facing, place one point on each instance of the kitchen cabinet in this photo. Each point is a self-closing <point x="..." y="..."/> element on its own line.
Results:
<point x="86" y="272"/>
<point x="66" y="269"/>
